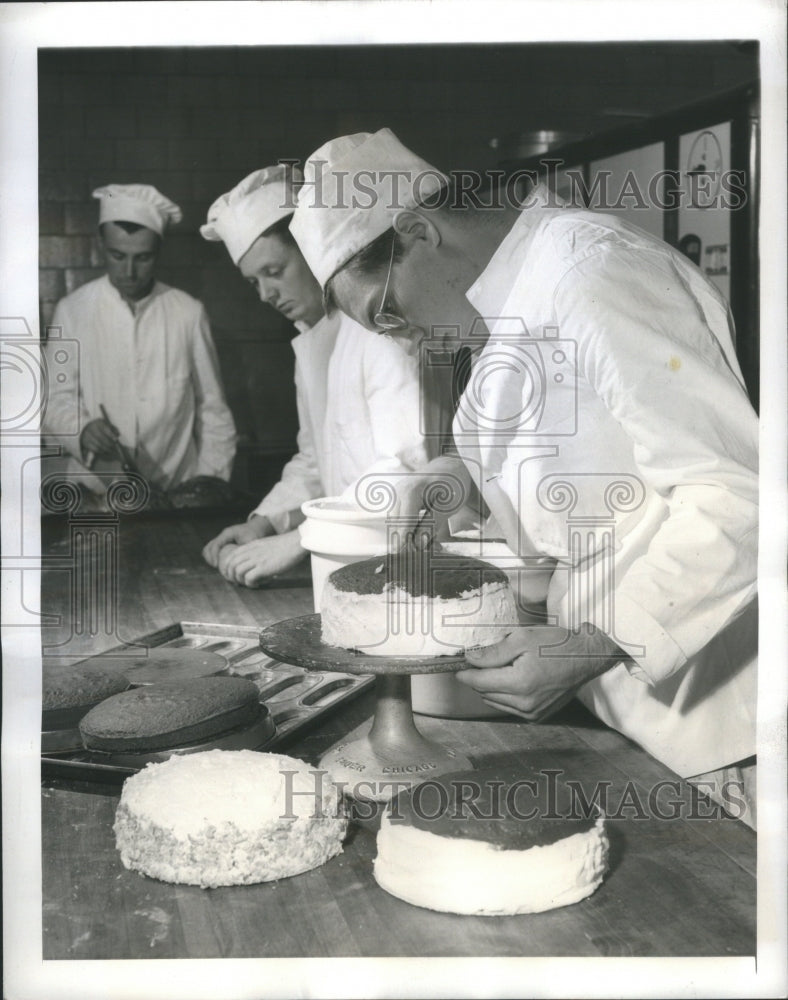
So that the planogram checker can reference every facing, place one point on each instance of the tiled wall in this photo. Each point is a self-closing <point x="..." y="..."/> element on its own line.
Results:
<point x="194" y="121"/>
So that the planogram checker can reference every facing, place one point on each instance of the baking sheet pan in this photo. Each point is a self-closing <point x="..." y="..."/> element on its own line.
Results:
<point x="296" y="698"/>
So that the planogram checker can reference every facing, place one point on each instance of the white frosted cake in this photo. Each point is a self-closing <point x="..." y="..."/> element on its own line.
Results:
<point x="228" y="818"/>
<point x="489" y="848"/>
<point x="426" y="605"/>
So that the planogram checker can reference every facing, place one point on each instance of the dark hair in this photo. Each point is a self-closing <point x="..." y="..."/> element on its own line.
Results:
<point x="282" y="230"/>
<point x="128" y="227"/>
<point x="374" y="257"/>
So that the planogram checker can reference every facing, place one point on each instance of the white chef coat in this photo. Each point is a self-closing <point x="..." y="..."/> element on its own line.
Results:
<point x="155" y="371"/>
<point x="358" y="411"/>
<point x="611" y="361"/>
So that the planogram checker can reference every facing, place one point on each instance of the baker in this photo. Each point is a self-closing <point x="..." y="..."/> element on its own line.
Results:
<point x="605" y="422"/>
<point x="146" y="373"/>
<point x="357" y="394"/>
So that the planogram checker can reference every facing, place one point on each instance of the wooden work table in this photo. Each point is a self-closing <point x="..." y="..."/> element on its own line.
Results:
<point x="681" y="886"/>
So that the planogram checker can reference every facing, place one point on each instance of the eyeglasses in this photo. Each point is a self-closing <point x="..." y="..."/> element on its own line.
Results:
<point x="385" y="320"/>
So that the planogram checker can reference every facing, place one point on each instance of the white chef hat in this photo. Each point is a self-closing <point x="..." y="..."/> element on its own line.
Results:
<point x="353" y="188"/>
<point x="254" y="205"/>
<point x="140" y="203"/>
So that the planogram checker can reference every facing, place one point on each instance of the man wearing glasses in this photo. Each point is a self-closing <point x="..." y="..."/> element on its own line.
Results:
<point x="605" y="423"/>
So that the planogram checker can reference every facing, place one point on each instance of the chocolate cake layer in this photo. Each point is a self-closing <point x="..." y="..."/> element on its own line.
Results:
<point x="511" y="809"/>
<point x="433" y="573"/>
<point x="165" y="663"/>
<point x="80" y="685"/>
<point x="171" y="714"/>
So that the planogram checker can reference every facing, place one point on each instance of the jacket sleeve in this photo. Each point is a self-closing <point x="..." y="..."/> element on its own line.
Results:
<point x="300" y="479"/>
<point x="654" y="343"/>
<point x="214" y="426"/>
<point x="65" y="414"/>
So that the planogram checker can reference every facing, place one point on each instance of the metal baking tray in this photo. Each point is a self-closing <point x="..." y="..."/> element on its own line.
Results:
<point x="297" y="699"/>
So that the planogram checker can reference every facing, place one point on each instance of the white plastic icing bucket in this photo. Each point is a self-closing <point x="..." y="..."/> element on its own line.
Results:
<point x="337" y="532"/>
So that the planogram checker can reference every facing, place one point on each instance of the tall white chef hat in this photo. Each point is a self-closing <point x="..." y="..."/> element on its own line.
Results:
<point x="140" y="203"/>
<point x="254" y="205"/>
<point x="353" y="188"/>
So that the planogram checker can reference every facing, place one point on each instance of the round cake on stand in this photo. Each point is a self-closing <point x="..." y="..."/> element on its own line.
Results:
<point x="415" y="599"/>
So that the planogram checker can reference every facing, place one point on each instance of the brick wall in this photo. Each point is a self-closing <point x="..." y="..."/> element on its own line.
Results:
<point x="141" y="116"/>
<point x="193" y="122"/>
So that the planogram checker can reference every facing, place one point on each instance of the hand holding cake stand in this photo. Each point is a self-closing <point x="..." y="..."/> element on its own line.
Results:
<point x="393" y="755"/>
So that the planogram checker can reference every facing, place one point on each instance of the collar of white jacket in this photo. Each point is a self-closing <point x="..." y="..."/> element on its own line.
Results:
<point x="353" y="188"/>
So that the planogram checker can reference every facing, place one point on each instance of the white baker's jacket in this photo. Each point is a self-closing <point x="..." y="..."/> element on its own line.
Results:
<point x="154" y="370"/>
<point x="358" y="403"/>
<point x="607" y="425"/>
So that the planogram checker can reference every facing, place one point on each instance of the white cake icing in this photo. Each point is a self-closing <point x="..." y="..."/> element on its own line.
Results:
<point x="476" y="877"/>
<point x="394" y="623"/>
<point x="228" y="818"/>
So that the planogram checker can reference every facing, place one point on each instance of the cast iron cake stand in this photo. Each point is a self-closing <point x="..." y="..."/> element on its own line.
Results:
<point x="393" y="755"/>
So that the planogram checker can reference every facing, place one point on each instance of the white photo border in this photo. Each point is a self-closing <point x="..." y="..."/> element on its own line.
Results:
<point x="26" y="27"/>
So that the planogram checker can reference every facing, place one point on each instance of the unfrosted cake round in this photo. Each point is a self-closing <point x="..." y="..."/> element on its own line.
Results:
<point x="168" y="715"/>
<point x="431" y="605"/>
<point x="489" y="843"/>
<point x="79" y="687"/>
<point x="228" y="818"/>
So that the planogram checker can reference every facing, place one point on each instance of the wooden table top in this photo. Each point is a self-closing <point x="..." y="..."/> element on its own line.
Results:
<point x="681" y="886"/>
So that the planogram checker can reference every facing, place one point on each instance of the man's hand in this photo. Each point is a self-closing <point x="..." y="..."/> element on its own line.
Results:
<point x="251" y="563"/>
<point x="530" y="674"/>
<point x="236" y="534"/>
<point x="443" y="485"/>
<point x="99" y="438"/>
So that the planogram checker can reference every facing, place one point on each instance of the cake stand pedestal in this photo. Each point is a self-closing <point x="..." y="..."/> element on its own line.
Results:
<point x="393" y="755"/>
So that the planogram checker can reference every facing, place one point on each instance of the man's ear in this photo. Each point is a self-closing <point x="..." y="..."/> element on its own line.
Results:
<point x="413" y="226"/>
